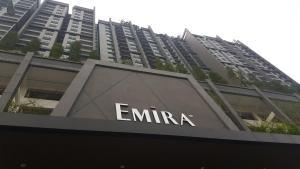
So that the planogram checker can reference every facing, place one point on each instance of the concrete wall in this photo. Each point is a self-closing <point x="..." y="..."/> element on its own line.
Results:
<point x="107" y="86"/>
<point x="140" y="88"/>
<point x="6" y="72"/>
<point x="103" y="42"/>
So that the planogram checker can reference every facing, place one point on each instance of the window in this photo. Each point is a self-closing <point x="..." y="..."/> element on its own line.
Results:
<point x="109" y="43"/>
<point x="52" y="25"/>
<point x="135" y="56"/>
<point x="138" y="62"/>
<point x="49" y="33"/>
<point x="133" y="49"/>
<point x="75" y="22"/>
<point x="44" y="43"/>
<point x="111" y="56"/>
<point x="54" y="22"/>
<point x="43" y="94"/>
<point x="55" y="19"/>
<point x="47" y="38"/>
<point x="72" y="37"/>
<point x="110" y="51"/>
<point x="73" y="30"/>
<point x="74" y="26"/>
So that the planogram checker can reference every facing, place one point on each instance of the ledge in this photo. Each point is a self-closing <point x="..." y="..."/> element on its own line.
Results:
<point x="108" y="126"/>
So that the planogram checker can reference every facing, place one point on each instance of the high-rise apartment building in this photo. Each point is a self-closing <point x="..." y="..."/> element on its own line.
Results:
<point x="14" y="14"/>
<point x="151" y="46"/>
<point x="189" y="55"/>
<point x="81" y="27"/>
<point x="51" y="23"/>
<point x="169" y="49"/>
<point x="127" y="43"/>
<point x="219" y="54"/>
<point x="97" y="114"/>
<point x="119" y="43"/>
<point x="107" y="46"/>
<point x="46" y="25"/>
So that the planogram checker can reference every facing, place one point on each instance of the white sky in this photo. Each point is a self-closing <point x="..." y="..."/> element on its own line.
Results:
<point x="269" y="27"/>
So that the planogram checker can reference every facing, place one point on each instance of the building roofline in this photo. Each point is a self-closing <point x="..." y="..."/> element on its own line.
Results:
<point x="56" y="2"/>
<point x="83" y="8"/>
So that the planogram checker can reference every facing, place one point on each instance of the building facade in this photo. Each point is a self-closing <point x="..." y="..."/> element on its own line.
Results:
<point x="52" y="24"/>
<point x="46" y="25"/>
<point x="54" y="110"/>
<point x="118" y="43"/>
<point x="81" y="27"/>
<point x="14" y="14"/>
<point x="123" y="110"/>
<point x="220" y="54"/>
<point x="189" y="55"/>
<point x="127" y="43"/>
<point x="130" y="44"/>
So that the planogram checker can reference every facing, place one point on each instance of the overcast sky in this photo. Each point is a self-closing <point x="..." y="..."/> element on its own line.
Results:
<point x="269" y="27"/>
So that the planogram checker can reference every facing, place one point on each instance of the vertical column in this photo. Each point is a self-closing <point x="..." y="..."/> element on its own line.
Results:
<point x="219" y="112"/>
<point x="191" y="56"/>
<point x="69" y="25"/>
<point x="115" y="41"/>
<point x="233" y="114"/>
<point x="49" y="20"/>
<point x="15" y="82"/>
<point x="102" y="42"/>
<point x="272" y="105"/>
<point x="66" y="102"/>
<point x="146" y="63"/>
<point x="179" y="53"/>
<point x="158" y="43"/>
<point x="94" y="29"/>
